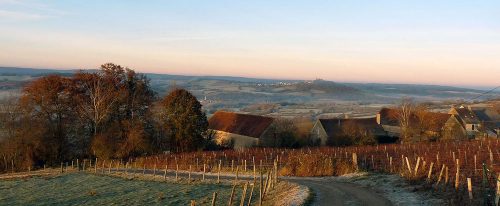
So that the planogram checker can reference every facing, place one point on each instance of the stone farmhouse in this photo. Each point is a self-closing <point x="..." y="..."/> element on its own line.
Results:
<point x="240" y="130"/>
<point x="325" y="130"/>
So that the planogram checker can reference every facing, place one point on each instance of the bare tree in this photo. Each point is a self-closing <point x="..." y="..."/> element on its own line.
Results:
<point x="404" y="116"/>
<point x="97" y="97"/>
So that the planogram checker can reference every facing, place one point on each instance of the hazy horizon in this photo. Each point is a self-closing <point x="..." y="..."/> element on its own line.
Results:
<point x="420" y="42"/>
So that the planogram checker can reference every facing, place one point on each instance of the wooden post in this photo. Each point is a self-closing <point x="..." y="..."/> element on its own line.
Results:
<point x="390" y="163"/>
<point x="491" y="157"/>
<point x="416" y="166"/>
<point x="62" y="169"/>
<point x="261" y="190"/>
<point x="95" y="166"/>
<point x="430" y="171"/>
<point x="469" y="188"/>
<point x="446" y="178"/>
<point x="176" y="172"/>
<point x="497" y="199"/>
<point x="218" y="172"/>
<point x="251" y="194"/>
<point x="189" y="174"/>
<point x="254" y="169"/>
<point x="232" y="165"/>
<point x="355" y="161"/>
<point x="165" y="174"/>
<point x="232" y="195"/>
<point x="243" y="195"/>
<point x="266" y="184"/>
<point x="440" y="175"/>
<point x="154" y="170"/>
<point x="475" y="164"/>
<point x="214" y="198"/>
<point x="408" y="164"/>
<point x="204" y="170"/>
<point x="457" y="176"/>
<point x="237" y="171"/>
<point x="77" y="164"/>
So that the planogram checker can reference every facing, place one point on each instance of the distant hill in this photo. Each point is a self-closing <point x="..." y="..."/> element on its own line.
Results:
<point x="241" y="90"/>
<point x="11" y="71"/>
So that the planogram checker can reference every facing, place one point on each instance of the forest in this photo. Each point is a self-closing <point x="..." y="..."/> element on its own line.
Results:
<point x="108" y="113"/>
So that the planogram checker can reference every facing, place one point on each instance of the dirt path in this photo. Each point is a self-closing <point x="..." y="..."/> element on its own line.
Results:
<point x="327" y="192"/>
<point x="331" y="192"/>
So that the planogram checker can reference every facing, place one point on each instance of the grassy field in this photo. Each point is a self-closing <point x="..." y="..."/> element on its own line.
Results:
<point x="86" y="189"/>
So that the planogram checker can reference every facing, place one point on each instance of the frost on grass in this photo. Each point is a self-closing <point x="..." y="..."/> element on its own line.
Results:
<point x="85" y="189"/>
<point x="393" y="187"/>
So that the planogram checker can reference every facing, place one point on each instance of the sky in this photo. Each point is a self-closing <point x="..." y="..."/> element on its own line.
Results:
<point x="445" y="42"/>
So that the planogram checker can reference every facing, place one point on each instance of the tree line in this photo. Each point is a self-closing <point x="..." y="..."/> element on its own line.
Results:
<point x="109" y="113"/>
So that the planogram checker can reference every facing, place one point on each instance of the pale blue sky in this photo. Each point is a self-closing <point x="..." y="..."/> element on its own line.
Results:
<point x="448" y="42"/>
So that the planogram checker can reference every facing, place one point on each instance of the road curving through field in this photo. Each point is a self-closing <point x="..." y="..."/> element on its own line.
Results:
<point x="326" y="191"/>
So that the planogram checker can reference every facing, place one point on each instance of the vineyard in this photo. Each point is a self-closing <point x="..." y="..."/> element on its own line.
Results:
<point x="461" y="171"/>
<point x="458" y="172"/>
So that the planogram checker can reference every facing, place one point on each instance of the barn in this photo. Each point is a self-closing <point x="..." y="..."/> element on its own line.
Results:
<point x="239" y="130"/>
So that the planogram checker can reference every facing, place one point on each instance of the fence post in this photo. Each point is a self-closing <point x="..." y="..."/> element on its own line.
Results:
<point x="218" y="172"/>
<point x="355" y="161"/>
<point x="416" y="166"/>
<point x="243" y="195"/>
<point x="251" y="194"/>
<point x="485" y="183"/>
<point x="214" y="199"/>
<point x="430" y="171"/>
<point x="497" y="199"/>
<point x="232" y="195"/>
<point x="261" y="188"/>
<point x="469" y="188"/>
<point x="204" y="170"/>
<point x="457" y="175"/>
<point x="189" y="174"/>
<point x="165" y="174"/>
<point x="176" y="172"/>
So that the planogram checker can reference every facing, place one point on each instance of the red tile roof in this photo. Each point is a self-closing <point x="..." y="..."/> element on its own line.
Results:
<point x="242" y="124"/>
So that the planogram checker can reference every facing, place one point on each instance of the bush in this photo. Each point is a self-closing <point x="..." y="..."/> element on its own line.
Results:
<point x="314" y="165"/>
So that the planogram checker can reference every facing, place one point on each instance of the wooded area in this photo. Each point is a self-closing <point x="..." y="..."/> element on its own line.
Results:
<point x="106" y="113"/>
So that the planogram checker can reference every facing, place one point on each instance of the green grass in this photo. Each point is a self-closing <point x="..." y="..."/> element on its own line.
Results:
<point x="85" y="189"/>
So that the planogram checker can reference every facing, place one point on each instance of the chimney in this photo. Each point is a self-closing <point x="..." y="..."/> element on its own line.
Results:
<point x="378" y="118"/>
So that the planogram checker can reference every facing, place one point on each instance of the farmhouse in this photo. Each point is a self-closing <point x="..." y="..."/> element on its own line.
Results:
<point x="326" y="131"/>
<point x="468" y="120"/>
<point x="490" y="120"/>
<point x="240" y="130"/>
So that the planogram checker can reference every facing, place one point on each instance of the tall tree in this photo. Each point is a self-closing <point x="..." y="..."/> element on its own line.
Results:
<point x="404" y="116"/>
<point x="49" y="104"/>
<point x="184" y="120"/>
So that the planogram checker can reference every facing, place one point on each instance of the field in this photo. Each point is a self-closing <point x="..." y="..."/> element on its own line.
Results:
<point x="88" y="189"/>
<point x="457" y="170"/>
